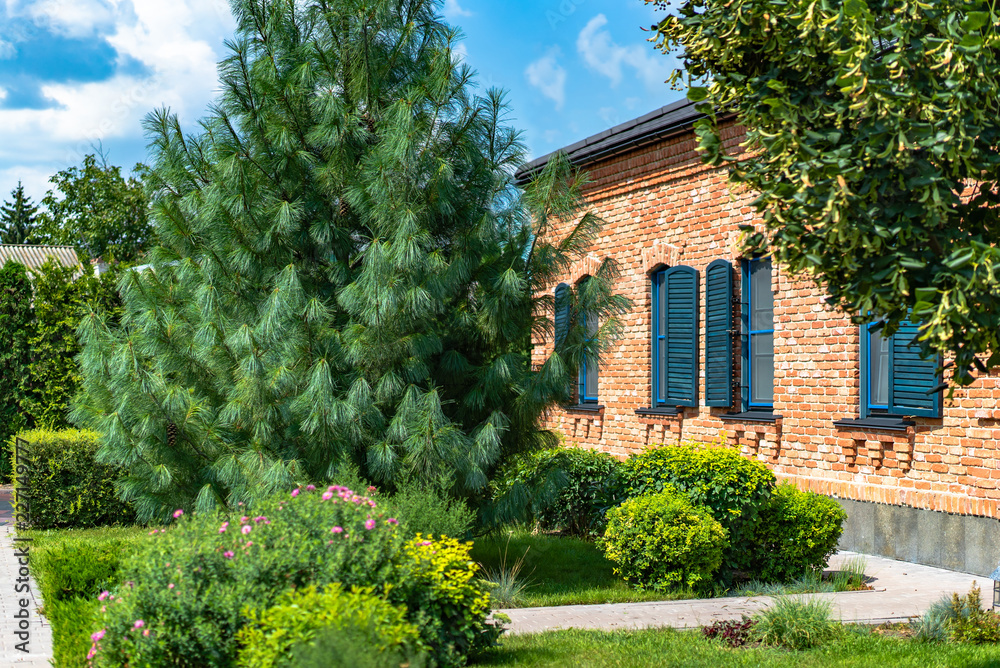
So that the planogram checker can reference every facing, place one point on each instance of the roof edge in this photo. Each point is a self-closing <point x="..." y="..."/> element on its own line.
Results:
<point x="656" y="125"/>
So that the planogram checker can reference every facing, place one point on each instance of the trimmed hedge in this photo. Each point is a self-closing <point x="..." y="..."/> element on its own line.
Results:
<point x="663" y="541"/>
<point x="62" y="484"/>
<point x="797" y="532"/>
<point x="735" y="489"/>
<point x="566" y="488"/>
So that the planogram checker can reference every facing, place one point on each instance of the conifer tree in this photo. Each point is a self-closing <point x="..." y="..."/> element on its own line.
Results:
<point x="19" y="219"/>
<point x="16" y="327"/>
<point x="345" y="272"/>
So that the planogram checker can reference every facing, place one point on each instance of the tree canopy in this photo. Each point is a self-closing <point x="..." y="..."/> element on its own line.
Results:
<point x="872" y="138"/>
<point x="346" y="272"/>
<point x="95" y="209"/>
<point x="19" y="219"/>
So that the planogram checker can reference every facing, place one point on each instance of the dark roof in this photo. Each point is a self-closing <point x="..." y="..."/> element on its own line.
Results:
<point x="656" y="125"/>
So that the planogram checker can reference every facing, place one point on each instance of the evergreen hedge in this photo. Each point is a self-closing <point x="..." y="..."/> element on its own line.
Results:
<point x="58" y="477"/>
<point x="16" y="320"/>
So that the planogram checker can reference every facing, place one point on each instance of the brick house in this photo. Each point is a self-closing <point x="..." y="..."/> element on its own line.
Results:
<point x="753" y="357"/>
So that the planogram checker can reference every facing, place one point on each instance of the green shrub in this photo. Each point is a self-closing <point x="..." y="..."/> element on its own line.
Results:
<point x="662" y="541"/>
<point x="796" y="533"/>
<point x="63" y="484"/>
<point x="735" y="489"/>
<point x="16" y="325"/>
<point x="427" y="509"/>
<point x="272" y="636"/>
<point x="190" y="588"/>
<point x="71" y="568"/>
<point x="568" y="489"/>
<point x="78" y="570"/>
<point x="796" y="623"/>
<point x="439" y="585"/>
<point x="969" y="622"/>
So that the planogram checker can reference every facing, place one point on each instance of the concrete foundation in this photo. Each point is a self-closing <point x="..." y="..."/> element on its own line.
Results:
<point x="956" y="542"/>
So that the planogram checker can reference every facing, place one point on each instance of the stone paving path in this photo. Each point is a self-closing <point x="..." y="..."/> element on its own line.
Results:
<point x="39" y="633"/>
<point x="901" y="590"/>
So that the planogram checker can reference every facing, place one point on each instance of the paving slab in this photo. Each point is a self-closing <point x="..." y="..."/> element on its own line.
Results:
<point x="900" y="591"/>
<point x="35" y="649"/>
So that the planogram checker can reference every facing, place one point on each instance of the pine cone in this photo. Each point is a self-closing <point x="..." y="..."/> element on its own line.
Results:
<point x="171" y="434"/>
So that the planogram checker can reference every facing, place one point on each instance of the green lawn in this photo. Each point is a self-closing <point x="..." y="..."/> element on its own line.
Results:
<point x="596" y="649"/>
<point x="561" y="571"/>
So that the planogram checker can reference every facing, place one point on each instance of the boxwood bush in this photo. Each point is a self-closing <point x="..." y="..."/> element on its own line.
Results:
<point x="188" y="591"/>
<point x="663" y="541"/>
<point x="563" y="488"/>
<point x="64" y="486"/>
<point x="734" y="488"/>
<point x="275" y="636"/>
<point x="797" y="532"/>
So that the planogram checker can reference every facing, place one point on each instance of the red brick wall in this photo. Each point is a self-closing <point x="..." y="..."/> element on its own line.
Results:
<point x="661" y="205"/>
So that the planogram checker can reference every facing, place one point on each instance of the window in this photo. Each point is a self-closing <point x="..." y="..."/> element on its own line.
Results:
<point x="758" y="335"/>
<point x="588" y="370"/>
<point x="675" y="337"/>
<point x="894" y="380"/>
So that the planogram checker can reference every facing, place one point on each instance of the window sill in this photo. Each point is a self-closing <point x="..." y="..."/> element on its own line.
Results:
<point x="877" y="423"/>
<point x="588" y="408"/>
<point x="751" y="416"/>
<point x="658" y="412"/>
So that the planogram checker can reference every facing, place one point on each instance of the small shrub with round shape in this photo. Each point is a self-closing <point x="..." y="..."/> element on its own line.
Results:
<point x="663" y="541"/>
<point x="734" y="488"/>
<point x="796" y="534"/>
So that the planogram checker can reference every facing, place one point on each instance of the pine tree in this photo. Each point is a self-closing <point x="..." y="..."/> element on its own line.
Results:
<point x="19" y="219"/>
<point x="346" y="272"/>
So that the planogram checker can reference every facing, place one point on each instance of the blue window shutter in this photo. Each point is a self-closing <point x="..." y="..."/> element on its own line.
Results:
<point x="912" y="381"/>
<point x="718" y="334"/>
<point x="561" y="313"/>
<point x="681" y="355"/>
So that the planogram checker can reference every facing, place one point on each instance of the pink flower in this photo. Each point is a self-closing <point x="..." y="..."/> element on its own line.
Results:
<point x="372" y="489"/>
<point x="393" y="521"/>
<point x="243" y="520"/>
<point x="337" y="530"/>
<point x="327" y="496"/>
<point x="228" y="554"/>
<point x="92" y="653"/>
<point x="247" y="529"/>
<point x="222" y="529"/>
<point x="370" y="524"/>
<point x="310" y="488"/>
<point x="170" y="586"/>
<point x="178" y="513"/>
<point x="96" y="637"/>
<point x="423" y="543"/>
<point x="152" y="532"/>
<point x="138" y="624"/>
<point x="260" y="519"/>
<point x="103" y="596"/>
<point x="145" y="632"/>
<point x="295" y="493"/>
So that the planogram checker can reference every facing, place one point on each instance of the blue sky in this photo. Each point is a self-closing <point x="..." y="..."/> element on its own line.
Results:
<point x="75" y="73"/>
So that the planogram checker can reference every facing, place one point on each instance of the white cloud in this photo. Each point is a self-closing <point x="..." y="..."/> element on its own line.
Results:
<point x="548" y="76"/>
<point x="7" y="50"/>
<point x="453" y="10"/>
<point x="609" y="115"/>
<point x="179" y="43"/>
<point x="603" y="55"/>
<point x="73" y="18"/>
